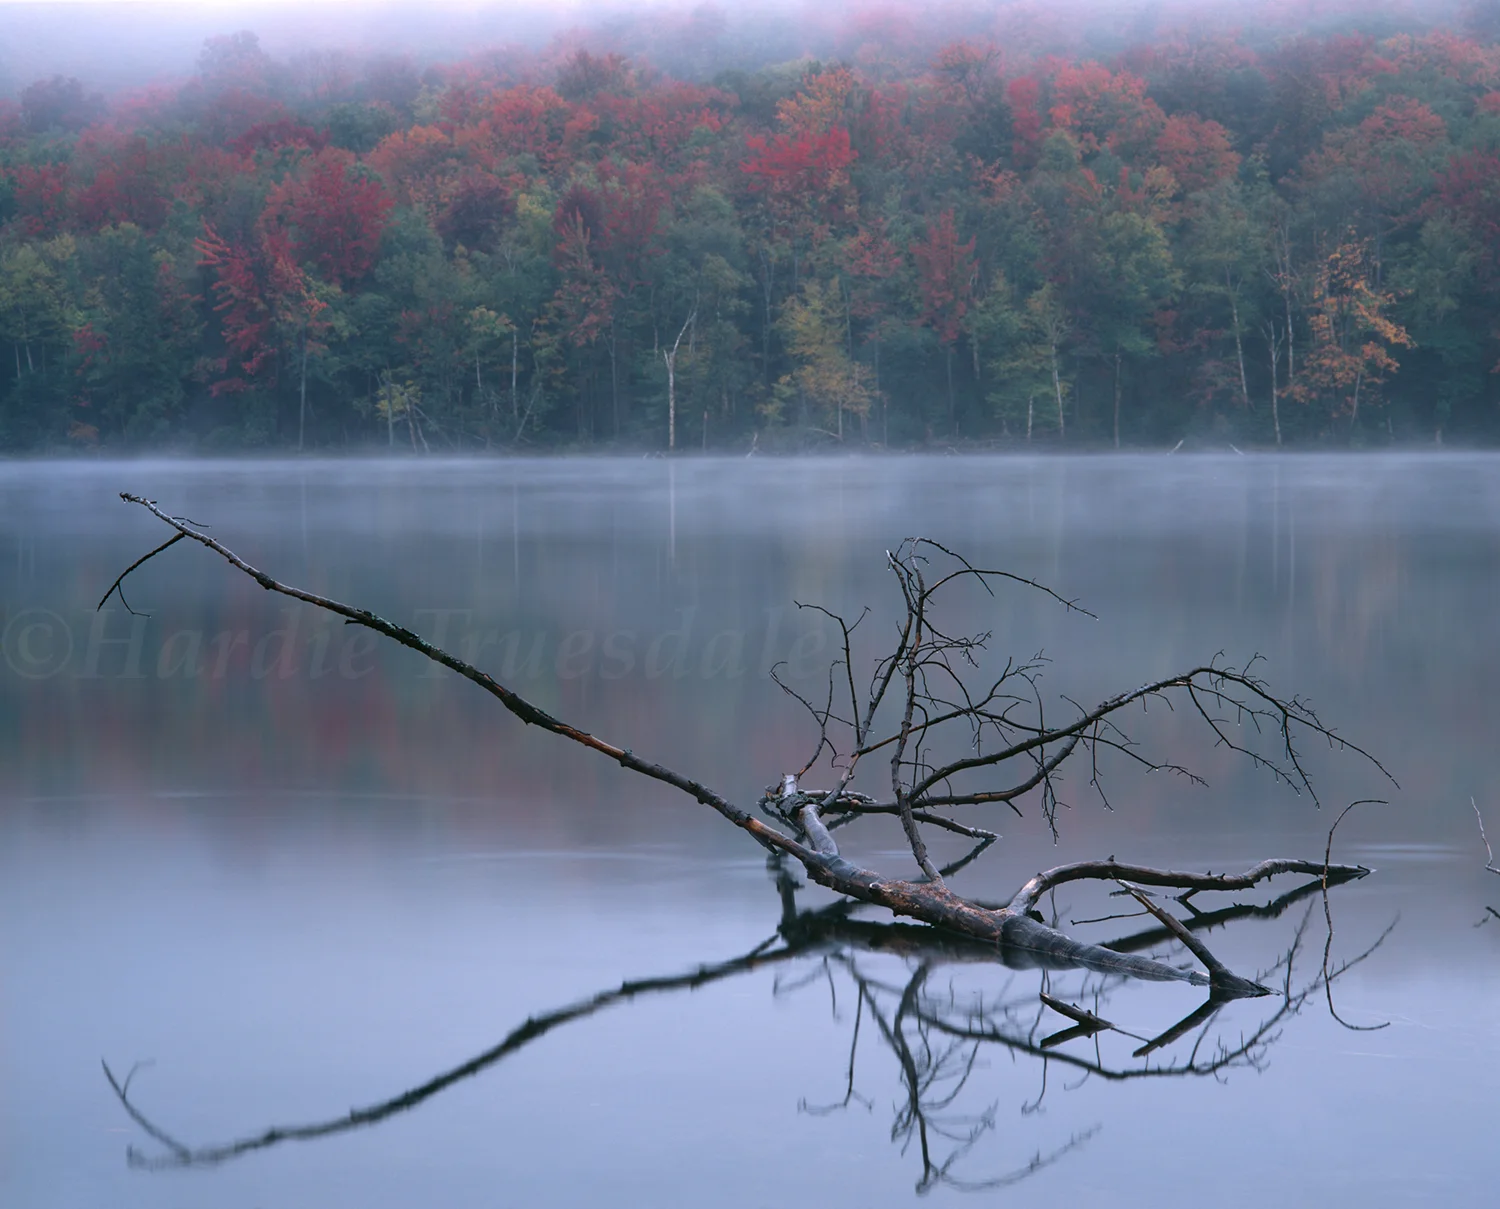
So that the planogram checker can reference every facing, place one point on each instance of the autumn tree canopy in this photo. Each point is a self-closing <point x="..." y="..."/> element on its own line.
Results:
<point x="987" y="232"/>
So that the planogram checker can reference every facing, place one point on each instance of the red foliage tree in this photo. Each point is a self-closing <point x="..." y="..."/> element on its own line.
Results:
<point x="277" y="133"/>
<point x="1105" y="109"/>
<point x="132" y="183"/>
<point x="246" y="316"/>
<point x="1470" y="189"/>
<point x="809" y="170"/>
<point x="946" y="272"/>
<point x="1195" y="151"/>
<point x="332" y="215"/>
<point x="584" y="302"/>
<point x="1024" y="96"/>
<point x="476" y="207"/>
<point x="40" y="194"/>
<point x="526" y="121"/>
<point x="659" y="125"/>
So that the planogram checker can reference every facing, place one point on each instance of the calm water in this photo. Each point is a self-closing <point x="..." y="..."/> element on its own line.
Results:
<point x="296" y="872"/>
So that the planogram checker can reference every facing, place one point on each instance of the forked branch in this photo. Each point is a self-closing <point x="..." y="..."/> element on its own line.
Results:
<point x="922" y="688"/>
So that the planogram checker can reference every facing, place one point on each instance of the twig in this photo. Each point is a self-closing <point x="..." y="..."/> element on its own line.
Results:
<point x="1489" y="854"/>
<point x="116" y="586"/>
<point x="1328" y="920"/>
<point x="1220" y="976"/>
<point x="1077" y="1014"/>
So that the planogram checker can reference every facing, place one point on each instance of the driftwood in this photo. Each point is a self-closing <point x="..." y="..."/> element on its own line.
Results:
<point x="938" y="726"/>
<point x="936" y="1038"/>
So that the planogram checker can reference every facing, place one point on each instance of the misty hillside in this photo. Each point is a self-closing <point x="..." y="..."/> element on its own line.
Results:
<point x="804" y="227"/>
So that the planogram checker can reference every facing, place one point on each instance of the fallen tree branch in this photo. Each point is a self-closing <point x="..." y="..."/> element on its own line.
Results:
<point x="927" y="671"/>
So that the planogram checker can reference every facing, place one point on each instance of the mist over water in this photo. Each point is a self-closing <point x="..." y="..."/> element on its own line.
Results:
<point x="301" y="872"/>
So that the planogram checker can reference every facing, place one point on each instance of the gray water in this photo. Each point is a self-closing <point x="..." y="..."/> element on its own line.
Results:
<point x="292" y="871"/>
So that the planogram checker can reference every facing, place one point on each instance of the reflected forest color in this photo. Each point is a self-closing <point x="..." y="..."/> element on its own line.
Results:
<point x="799" y="604"/>
<point x="855" y="225"/>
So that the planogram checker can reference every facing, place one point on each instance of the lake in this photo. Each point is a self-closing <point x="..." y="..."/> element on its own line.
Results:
<point x="292" y="871"/>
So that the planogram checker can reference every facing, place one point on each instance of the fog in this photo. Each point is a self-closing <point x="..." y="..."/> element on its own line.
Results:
<point x="123" y="45"/>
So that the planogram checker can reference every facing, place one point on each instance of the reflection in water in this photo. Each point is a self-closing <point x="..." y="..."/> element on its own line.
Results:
<point x="939" y="1033"/>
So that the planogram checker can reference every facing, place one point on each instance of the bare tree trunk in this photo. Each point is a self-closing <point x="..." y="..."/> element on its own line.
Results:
<point x="1062" y="429"/>
<point x="952" y="411"/>
<point x="1030" y="415"/>
<point x="614" y="379"/>
<point x="1286" y="297"/>
<point x="767" y="286"/>
<point x="1117" y="398"/>
<point x="302" y="392"/>
<point x="1239" y="344"/>
<point x="515" y="402"/>
<point x="671" y="361"/>
<point x="1273" y="347"/>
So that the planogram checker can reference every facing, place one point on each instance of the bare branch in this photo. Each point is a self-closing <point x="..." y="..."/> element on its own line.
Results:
<point x="1220" y="977"/>
<point x="1489" y="863"/>
<point x="1328" y="919"/>
<point x="120" y="579"/>
<point x="1028" y="895"/>
<point x="523" y="709"/>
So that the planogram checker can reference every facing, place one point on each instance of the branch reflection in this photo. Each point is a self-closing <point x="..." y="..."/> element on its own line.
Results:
<point x="939" y="1030"/>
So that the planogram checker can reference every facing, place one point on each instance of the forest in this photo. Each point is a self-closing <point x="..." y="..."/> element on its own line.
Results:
<point x="975" y="232"/>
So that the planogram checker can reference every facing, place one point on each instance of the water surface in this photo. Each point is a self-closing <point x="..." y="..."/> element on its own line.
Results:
<point x="298" y="871"/>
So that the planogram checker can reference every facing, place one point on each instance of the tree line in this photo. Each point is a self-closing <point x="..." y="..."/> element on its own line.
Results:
<point x="1199" y="236"/>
